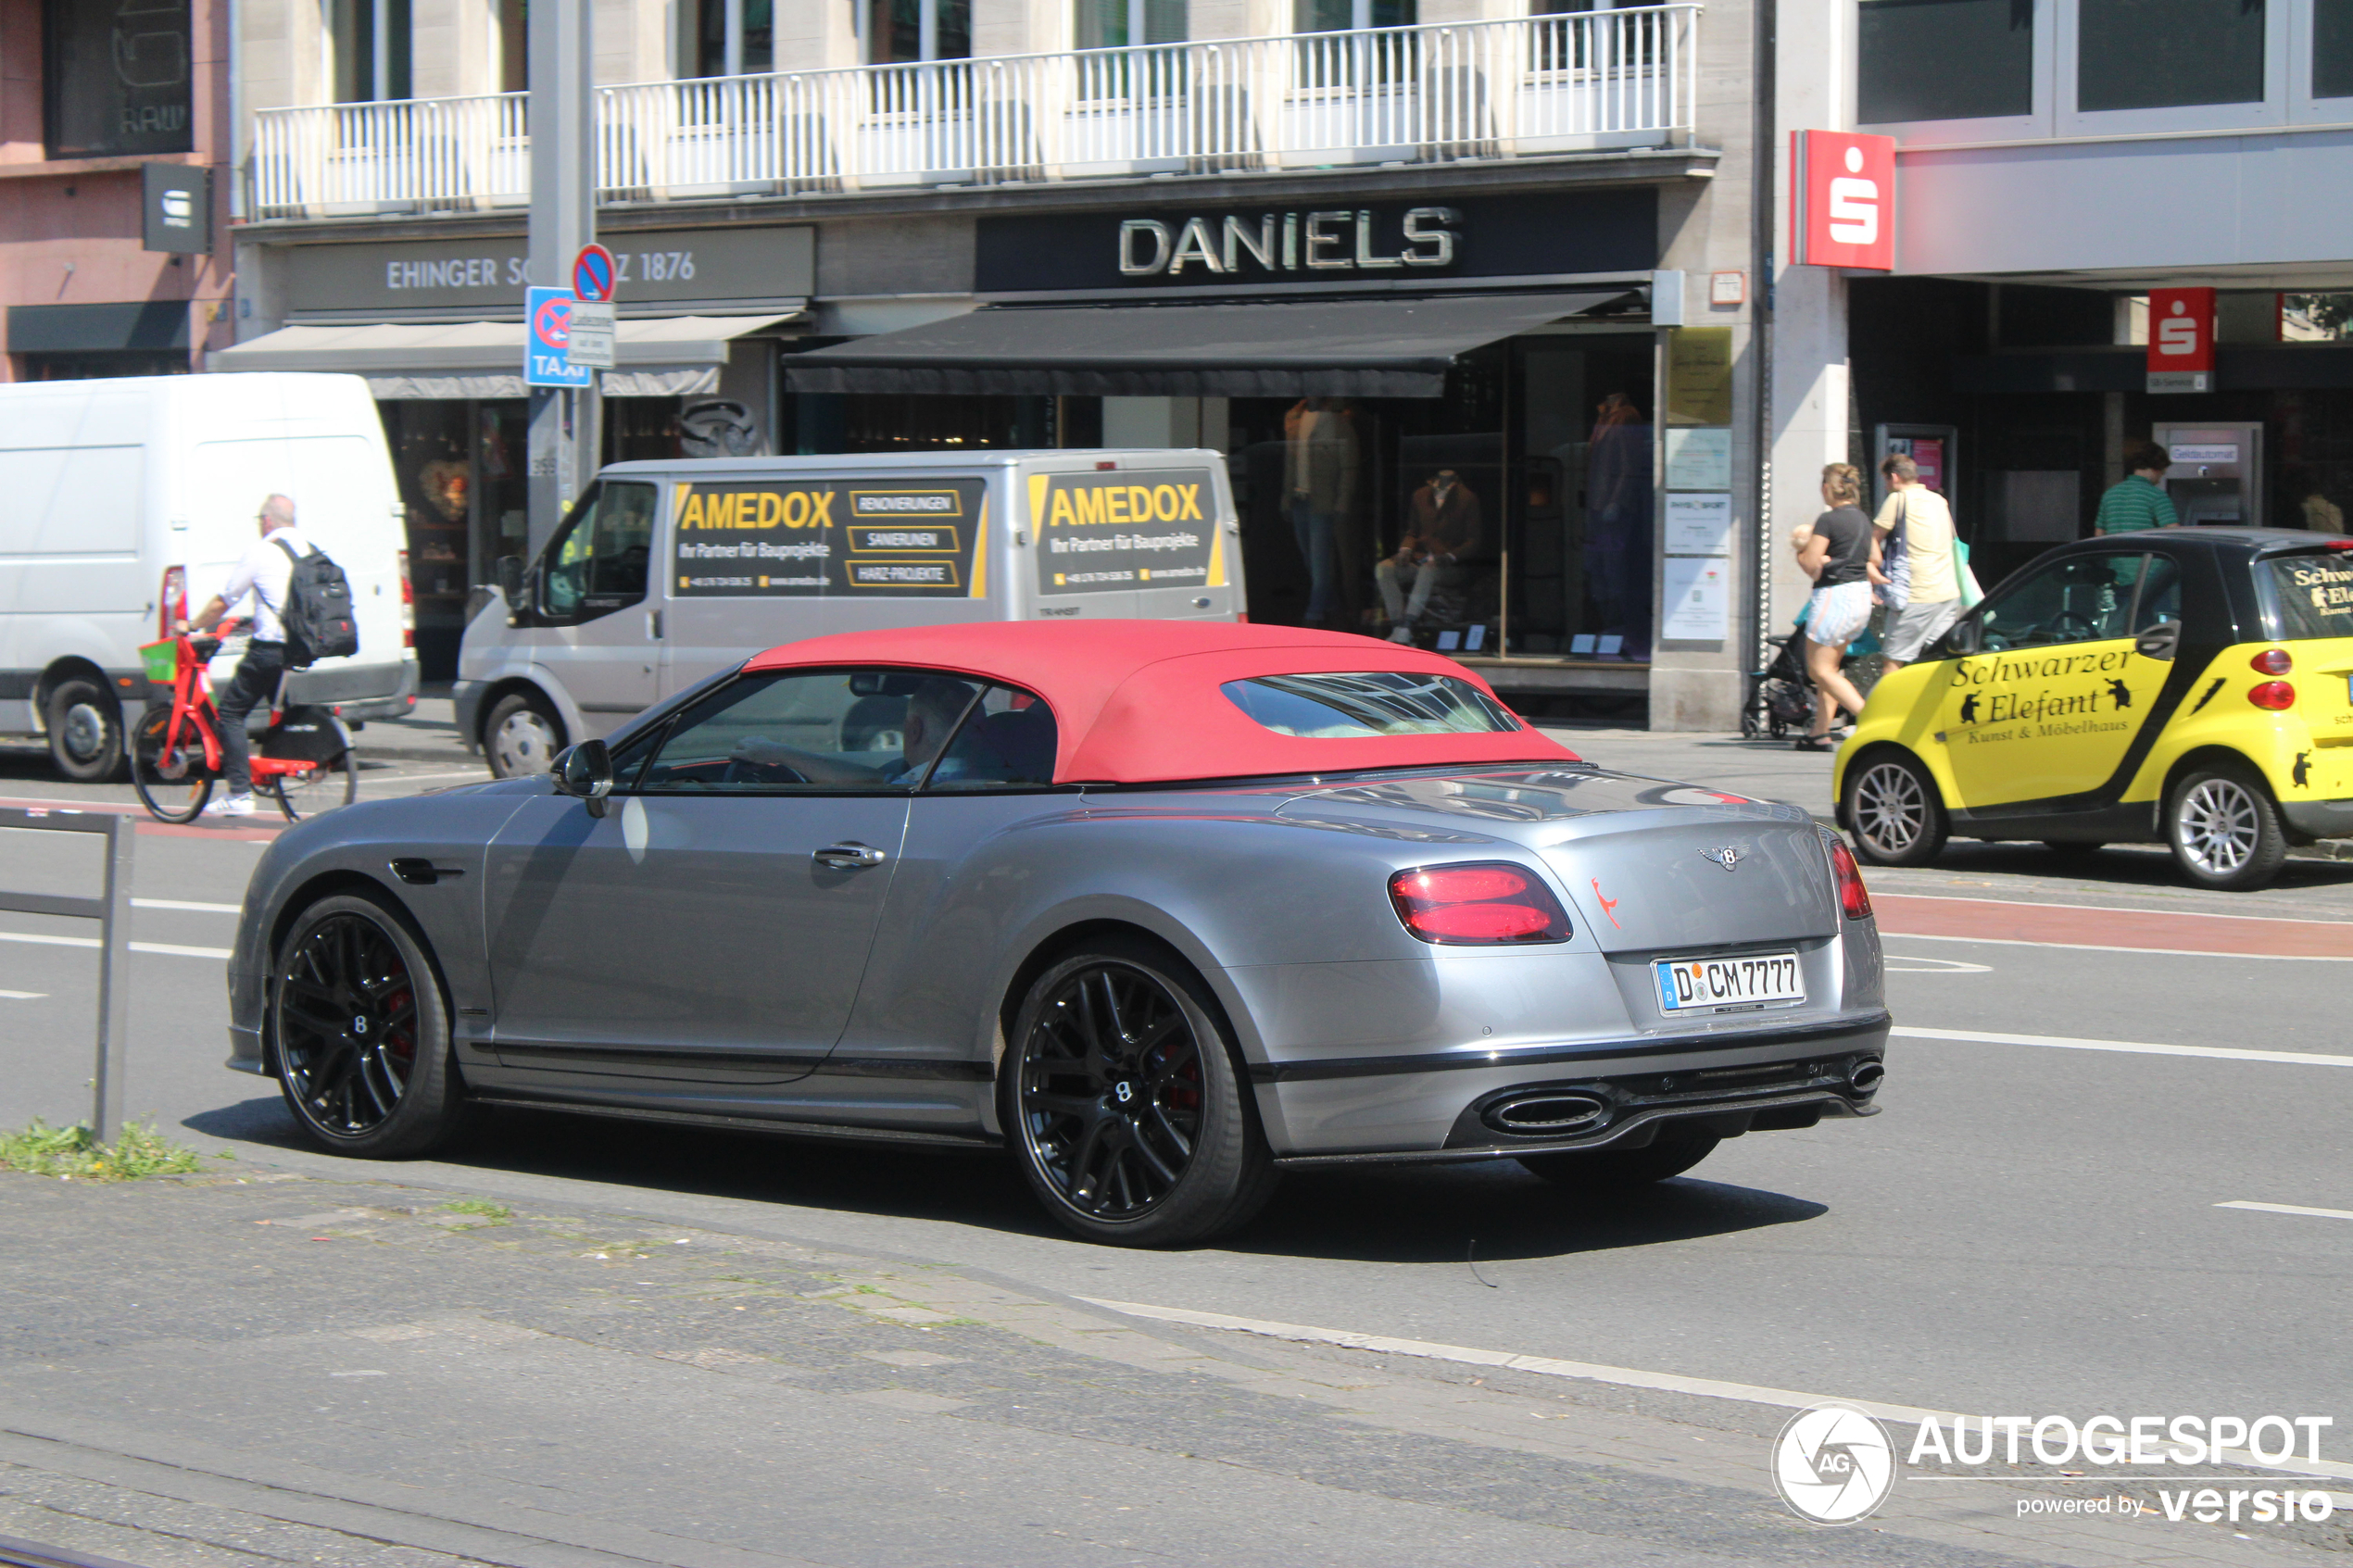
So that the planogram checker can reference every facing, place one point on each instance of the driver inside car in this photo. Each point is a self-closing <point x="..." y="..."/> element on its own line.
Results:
<point x="932" y="712"/>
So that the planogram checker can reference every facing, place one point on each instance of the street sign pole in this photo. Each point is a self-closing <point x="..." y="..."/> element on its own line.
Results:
<point x="563" y="218"/>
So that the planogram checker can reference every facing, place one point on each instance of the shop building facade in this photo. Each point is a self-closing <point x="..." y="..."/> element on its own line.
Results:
<point x="114" y="148"/>
<point x="2056" y="162"/>
<point x="1463" y="290"/>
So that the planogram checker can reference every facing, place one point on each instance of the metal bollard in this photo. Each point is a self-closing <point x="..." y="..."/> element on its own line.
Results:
<point x="111" y="908"/>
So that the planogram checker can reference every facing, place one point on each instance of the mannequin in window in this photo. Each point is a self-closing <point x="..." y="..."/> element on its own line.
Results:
<point x="1618" y="523"/>
<point x="1442" y="530"/>
<point x="1321" y="457"/>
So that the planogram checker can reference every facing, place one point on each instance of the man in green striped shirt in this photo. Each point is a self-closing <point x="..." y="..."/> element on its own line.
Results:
<point x="2139" y="500"/>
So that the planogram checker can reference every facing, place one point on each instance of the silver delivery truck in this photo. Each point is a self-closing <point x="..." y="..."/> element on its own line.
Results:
<point x="663" y="572"/>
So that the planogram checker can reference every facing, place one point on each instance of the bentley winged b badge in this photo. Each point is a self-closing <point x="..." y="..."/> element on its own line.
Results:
<point x="1728" y="856"/>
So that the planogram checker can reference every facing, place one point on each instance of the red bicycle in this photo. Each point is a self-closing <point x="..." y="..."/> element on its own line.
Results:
<point x="303" y="760"/>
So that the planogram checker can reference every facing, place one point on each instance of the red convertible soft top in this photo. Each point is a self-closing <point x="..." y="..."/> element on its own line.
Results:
<point x="1137" y="701"/>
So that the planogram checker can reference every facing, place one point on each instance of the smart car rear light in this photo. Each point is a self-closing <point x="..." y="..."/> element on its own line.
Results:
<point x="2273" y="662"/>
<point x="172" y="602"/>
<point x="1853" y="896"/>
<point x="2277" y="696"/>
<point x="1482" y="903"/>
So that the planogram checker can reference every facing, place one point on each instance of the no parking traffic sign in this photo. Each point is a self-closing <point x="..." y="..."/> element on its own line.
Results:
<point x="592" y="275"/>
<point x="546" y="337"/>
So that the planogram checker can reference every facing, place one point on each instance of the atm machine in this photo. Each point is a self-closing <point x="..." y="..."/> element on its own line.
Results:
<point x="2217" y="477"/>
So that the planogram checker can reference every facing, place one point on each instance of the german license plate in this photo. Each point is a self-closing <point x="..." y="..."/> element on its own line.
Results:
<point x="1707" y="985"/>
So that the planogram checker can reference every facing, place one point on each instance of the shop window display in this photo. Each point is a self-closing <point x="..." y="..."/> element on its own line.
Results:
<point x="1514" y="515"/>
<point x="461" y="471"/>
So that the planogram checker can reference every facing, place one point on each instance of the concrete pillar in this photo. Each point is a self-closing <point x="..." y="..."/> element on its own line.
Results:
<point x="1238" y="18"/>
<point x="454" y="48"/>
<point x="1021" y="27"/>
<point x="815" y="34"/>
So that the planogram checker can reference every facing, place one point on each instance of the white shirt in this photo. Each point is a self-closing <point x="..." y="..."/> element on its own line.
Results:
<point x="265" y="573"/>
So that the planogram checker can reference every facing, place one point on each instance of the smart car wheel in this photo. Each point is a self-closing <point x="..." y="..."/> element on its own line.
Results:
<point x="1897" y="816"/>
<point x="1124" y="1104"/>
<point x="522" y="735"/>
<point x="361" y="1033"/>
<point x="2224" y="829"/>
<point x="1674" y="1151"/>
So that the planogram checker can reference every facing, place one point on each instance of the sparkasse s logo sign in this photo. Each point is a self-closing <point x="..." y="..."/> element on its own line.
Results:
<point x="1842" y="200"/>
<point x="2180" y="330"/>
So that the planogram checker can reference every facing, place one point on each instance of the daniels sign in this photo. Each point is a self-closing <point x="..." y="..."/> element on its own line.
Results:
<point x="1262" y="243"/>
<point x="1842" y="200"/>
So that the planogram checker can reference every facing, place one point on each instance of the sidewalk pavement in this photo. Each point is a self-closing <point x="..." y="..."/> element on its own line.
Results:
<point x="256" y="1365"/>
<point x="428" y="734"/>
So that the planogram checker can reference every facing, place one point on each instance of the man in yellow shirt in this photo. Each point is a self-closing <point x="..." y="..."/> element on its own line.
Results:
<point x="1935" y="598"/>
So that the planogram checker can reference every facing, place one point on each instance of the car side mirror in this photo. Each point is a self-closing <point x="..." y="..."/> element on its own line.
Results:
<point x="2160" y="640"/>
<point x="585" y="771"/>
<point x="1966" y="637"/>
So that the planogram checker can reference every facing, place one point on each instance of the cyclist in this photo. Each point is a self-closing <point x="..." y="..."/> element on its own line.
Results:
<point x="264" y="572"/>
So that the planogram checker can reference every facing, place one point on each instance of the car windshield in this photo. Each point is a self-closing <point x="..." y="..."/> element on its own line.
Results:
<point x="2315" y="593"/>
<point x="1352" y="707"/>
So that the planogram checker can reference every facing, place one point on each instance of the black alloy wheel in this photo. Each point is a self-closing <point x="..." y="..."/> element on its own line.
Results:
<point x="361" y="1033"/>
<point x="1674" y="1151"/>
<point x="1126" y="1105"/>
<point x="172" y="782"/>
<point x="1893" y="811"/>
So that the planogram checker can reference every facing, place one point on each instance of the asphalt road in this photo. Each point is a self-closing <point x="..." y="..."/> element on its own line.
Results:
<point x="2031" y="1227"/>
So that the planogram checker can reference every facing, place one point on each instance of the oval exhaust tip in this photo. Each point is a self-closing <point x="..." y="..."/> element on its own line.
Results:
<point x="1865" y="1076"/>
<point x="1547" y="1114"/>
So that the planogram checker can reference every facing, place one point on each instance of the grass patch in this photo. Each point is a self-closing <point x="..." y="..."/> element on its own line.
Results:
<point x="43" y="1150"/>
<point x="482" y="1207"/>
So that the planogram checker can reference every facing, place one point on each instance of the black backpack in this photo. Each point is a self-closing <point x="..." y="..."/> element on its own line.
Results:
<point x="318" y="611"/>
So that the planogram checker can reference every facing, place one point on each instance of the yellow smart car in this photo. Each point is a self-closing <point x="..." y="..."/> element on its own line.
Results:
<point x="2188" y="685"/>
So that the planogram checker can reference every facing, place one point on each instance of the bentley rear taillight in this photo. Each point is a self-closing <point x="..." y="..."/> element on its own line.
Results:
<point x="1484" y="903"/>
<point x="1853" y="896"/>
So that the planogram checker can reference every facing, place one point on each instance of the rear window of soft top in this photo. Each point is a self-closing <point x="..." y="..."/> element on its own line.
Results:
<point x="2314" y="594"/>
<point x="1369" y="703"/>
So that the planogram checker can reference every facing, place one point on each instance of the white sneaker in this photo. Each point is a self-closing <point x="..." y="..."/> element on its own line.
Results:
<point x="1401" y="634"/>
<point x="230" y="805"/>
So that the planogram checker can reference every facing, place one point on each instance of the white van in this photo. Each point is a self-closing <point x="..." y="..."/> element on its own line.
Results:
<point x="110" y="487"/>
<point x="664" y="572"/>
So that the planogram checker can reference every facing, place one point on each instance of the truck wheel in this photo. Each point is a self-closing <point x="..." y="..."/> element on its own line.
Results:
<point x="522" y="735"/>
<point x="1893" y="806"/>
<point x="85" y="731"/>
<point x="2224" y="829"/>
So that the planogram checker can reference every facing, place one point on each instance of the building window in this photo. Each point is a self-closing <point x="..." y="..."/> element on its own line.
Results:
<point x="1124" y="24"/>
<point x="116" y="81"/>
<point x="1944" y="59"/>
<point x="1347" y="16"/>
<point x="737" y="38"/>
<point x="510" y="43"/>
<point x="2333" y="48"/>
<point x="2169" y="54"/>
<point x="369" y="45"/>
<point x="900" y="31"/>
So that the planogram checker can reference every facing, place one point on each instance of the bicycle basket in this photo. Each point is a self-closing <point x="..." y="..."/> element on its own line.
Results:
<point x="161" y="660"/>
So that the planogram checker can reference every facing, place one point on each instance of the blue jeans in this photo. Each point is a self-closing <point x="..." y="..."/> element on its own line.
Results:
<point x="253" y="686"/>
<point x="1314" y="531"/>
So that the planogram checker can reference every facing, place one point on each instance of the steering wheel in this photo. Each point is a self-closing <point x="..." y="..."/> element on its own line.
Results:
<point x="2074" y="626"/>
<point x="744" y="771"/>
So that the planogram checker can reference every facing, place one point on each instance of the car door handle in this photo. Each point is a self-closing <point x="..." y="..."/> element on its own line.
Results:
<point x="850" y="857"/>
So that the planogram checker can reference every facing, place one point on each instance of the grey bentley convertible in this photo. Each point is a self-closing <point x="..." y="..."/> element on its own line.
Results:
<point x="1160" y="907"/>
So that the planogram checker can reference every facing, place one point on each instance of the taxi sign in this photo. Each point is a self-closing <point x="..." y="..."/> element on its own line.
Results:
<point x="593" y="274"/>
<point x="546" y="339"/>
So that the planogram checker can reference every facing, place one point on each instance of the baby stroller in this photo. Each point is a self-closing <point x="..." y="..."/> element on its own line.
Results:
<point x="1781" y="697"/>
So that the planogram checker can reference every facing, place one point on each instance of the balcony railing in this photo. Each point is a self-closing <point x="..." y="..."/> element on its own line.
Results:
<point x="1584" y="82"/>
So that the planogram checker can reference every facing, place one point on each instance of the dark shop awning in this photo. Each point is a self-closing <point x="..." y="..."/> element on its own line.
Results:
<point x="1351" y="348"/>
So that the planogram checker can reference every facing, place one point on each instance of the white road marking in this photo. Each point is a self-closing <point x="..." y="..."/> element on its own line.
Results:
<point x="2149" y="952"/>
<point x="1547" y="1366"/>
<point x="22" y="996"/>
<point x="184" y="904"/>
<point x="1912" y="963"/>
<point x="2062" y="1042"/>
<point x="480" y="775"/>
<point x="2289" y="1208"/>
<point x="168" y="949"/>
